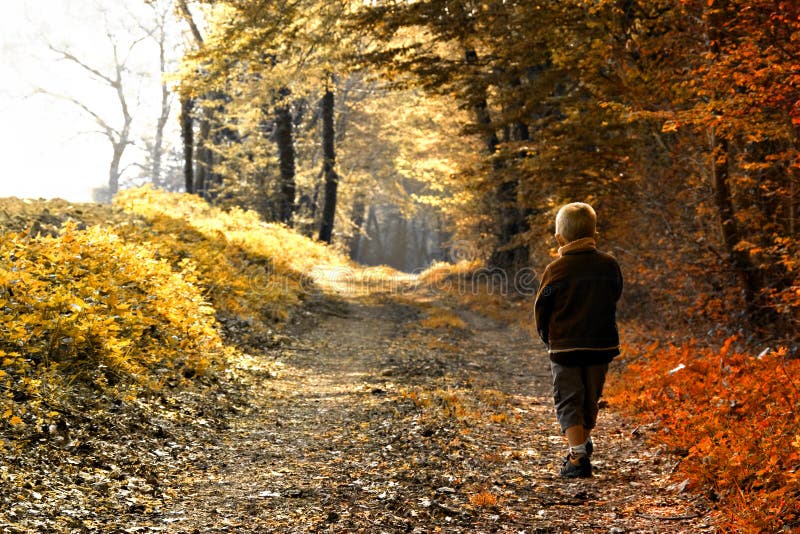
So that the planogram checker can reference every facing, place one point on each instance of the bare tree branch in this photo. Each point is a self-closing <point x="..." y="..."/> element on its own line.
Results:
<point x="107" y="130"/>
<point x="118" y="137"/>
<point x="72" y="58"/>
<point x="187" y="16"/>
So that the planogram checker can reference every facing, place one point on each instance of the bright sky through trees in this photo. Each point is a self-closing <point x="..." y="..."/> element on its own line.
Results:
<point x="49" y="147"/>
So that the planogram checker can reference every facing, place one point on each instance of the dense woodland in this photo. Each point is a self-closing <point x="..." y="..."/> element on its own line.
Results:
<point x="679" y="120"/>
<point x="448" y="133"/>
<point x="473" y="121"/>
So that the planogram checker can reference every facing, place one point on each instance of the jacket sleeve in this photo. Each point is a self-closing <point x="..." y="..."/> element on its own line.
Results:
<point x="543" y="306"/>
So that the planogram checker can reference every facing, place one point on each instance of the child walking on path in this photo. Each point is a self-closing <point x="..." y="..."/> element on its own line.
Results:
<point x="575" y="314"/>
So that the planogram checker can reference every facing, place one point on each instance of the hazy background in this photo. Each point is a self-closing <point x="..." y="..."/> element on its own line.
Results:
<point x="48" y="145"/>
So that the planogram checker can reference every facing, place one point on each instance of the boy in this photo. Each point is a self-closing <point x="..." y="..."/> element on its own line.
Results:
<point x="575" y="314"/>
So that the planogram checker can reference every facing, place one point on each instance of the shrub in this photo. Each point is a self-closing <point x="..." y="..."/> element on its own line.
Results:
<point x="738" y="415"/>
<point x="86" y="301"/>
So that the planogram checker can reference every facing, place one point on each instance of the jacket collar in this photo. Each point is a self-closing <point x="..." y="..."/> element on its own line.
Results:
<point x="583" y="244"/>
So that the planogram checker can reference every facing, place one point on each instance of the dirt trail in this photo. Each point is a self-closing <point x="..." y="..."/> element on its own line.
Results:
<point x="368" y="422"/>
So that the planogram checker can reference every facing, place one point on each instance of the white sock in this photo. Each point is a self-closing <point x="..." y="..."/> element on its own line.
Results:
<point x="580" y="449"/>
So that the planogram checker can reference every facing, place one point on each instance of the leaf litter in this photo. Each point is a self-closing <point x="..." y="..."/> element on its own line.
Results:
<point x="379" y="426"/>
<point x="366" y="413"/>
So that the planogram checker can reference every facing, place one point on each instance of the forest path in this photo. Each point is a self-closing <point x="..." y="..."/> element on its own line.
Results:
<point x="367" y="421"/>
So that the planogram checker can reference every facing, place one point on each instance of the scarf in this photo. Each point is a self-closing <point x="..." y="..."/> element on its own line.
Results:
<point x="579" y="245"/>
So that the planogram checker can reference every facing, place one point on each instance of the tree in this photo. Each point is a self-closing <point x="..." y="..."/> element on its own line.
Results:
<point x="731" y="109"/>
<point x="187" y="103"/>
<point x="328" y="166"/>
<point x="157" y="29"/>
<point x="118" y="135"/>
<point x="460" y="48"/>
<point x="284" y="138"/>
<point x="615" y="102"/>
<point x="241" y="73"/>
<point x="116" y="80"/>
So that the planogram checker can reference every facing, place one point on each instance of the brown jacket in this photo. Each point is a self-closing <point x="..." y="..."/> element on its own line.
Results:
<point x="575" y="307"/>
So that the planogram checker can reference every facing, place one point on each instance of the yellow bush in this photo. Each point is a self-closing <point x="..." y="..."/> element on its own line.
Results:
<point x="291" y="252"/>
<point x="138" y="301"/>
<point x="475" y="285"/>
<point x="253" y="271"/>
<point x="88" y="300"/>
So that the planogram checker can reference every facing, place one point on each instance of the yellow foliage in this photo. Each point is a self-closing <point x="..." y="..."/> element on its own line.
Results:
<point x="251" y="270"/>
<point x="470" y="284"/>
<point x="442" y="318"/>
<point x="448" y="275"/>
<point x="138" y="302"/>
<point x="87" y="297"/>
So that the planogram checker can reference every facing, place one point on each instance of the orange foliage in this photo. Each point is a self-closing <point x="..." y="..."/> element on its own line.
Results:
<point x="483" y="498"/>
<point x="737" y="415"/>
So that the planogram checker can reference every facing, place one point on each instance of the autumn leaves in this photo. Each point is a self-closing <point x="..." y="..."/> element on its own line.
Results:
<point x="129" y="307"/>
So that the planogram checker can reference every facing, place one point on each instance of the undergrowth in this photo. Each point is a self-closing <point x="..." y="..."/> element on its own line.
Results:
<point x="254" y="271"/>
<point x="125" y="307"/>
<point x="481" y="289"/>
<point x="86" y="305"/>
<point x="737" y="416"/>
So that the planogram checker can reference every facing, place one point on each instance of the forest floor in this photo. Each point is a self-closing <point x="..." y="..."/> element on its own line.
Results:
<point x="359" y="416"/>
<point x="366" y="421"/>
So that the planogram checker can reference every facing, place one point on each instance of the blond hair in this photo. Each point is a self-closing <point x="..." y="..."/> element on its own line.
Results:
<point x="576" y="220"/>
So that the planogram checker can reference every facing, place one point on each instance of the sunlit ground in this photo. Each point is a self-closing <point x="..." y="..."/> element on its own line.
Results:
<point x="347" y="281"/>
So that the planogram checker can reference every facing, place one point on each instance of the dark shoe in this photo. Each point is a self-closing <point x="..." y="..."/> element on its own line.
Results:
<point x="589" y="447"/>
<point x="576" y="467"/>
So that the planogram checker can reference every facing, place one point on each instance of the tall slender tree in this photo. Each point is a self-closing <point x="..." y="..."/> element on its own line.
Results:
<point x="328" y="165"/>
<point x="284" y="138"/>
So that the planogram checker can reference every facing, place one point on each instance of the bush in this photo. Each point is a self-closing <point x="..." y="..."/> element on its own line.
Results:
<point x="86" y="304"/>
<point x="129" y="305"/>
<point x="738" y="415"/>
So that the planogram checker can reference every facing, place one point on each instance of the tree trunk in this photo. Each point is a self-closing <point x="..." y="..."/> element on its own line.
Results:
<point x="113" y="169"/>
<point x="328" y="168"/>
<point x="510" y="221"/>
<point x="481" y="108"/>
<point x="423" y="254"/>
<point x="124" y="136"/>
<point x="740" y="262"/>
<point x="794" y="196"/>
<point x="507" y="254"/>
<point x="222" y="137"/>
<point x="794" y="191"/>
<point x="158" y="143"/>
<point x="187" y="107"/>
<point x="284" y="138"/>
<point x="187" y="135"/>
<point x="163" y="117"/>
<point x="374" y="235"/>
<point x="513" y="222"/>
<point x="203" y="159"/>
<point x="357" y="216"/>
<point x="263" y="200"/>
<point x="399" y="241"/>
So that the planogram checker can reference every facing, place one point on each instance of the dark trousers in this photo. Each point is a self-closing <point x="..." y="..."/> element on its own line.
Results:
<point x="576" y="391"/>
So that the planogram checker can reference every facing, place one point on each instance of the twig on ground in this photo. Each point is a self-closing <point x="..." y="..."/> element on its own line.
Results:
<point x="684" y="517"/>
